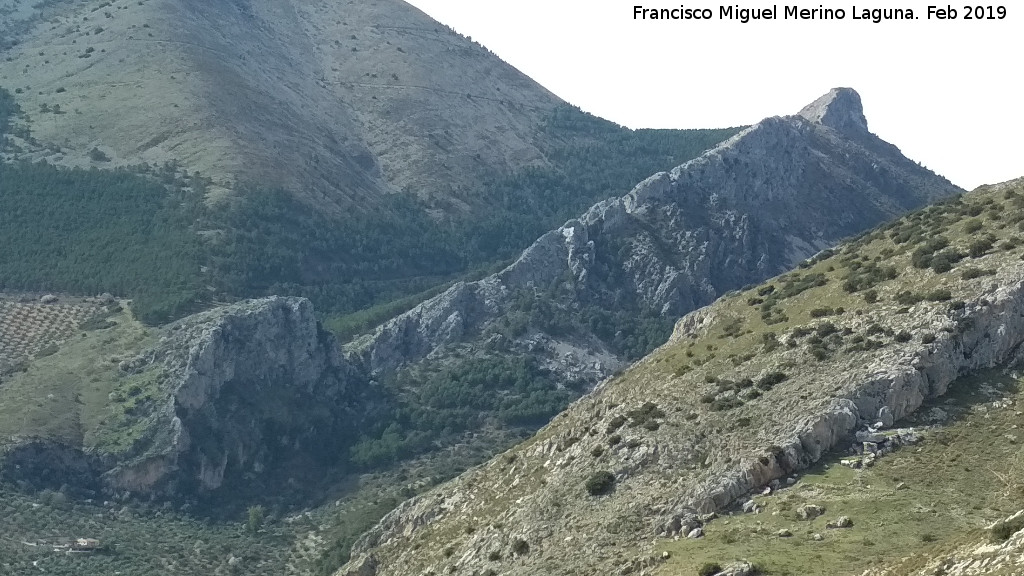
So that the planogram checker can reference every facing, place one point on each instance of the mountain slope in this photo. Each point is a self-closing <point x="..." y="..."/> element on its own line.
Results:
<point x="750" y="389"/>
<point x="605" y="288"/>
<point x="342" y="104"/>
<point x="354" y="154"/>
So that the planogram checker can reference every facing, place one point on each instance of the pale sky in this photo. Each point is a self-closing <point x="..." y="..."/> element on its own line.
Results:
<point x="948" y="93"/>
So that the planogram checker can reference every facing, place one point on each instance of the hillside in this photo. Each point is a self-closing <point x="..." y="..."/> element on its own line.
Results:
<point x="355" y="155"/>
<point x="341" y="104"/>
<point x="752" y="389"/>
<point x="250" y="402"/>
<point x="605" y="288"/>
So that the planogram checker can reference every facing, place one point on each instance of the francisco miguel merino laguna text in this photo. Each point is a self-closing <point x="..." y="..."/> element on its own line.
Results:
<point x="794" y="12"/>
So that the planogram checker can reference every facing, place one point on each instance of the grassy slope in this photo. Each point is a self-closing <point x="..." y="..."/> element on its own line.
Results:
<point x="956" y="480"/>
<point x="77" y="395"/>
<point x="963" y="476"/>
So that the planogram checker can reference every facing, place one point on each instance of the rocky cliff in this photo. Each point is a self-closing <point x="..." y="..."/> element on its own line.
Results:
<point x="750" y="208"/>
<point x="750" y="389"/>
<point x="221" y="396"/>
<point x="247" y="386"/>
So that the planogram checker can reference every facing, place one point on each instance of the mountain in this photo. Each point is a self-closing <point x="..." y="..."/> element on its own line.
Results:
<point x="605" y="288"/>
<point x="355" y="155"/>
<point x="253" y="398"/>
<point x="342" y="105"/>
<point x="747" y="394"/>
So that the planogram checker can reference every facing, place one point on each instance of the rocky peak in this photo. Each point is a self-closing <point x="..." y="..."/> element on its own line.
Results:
<point x="773" y="195"/>
<point x="840" y="110"/>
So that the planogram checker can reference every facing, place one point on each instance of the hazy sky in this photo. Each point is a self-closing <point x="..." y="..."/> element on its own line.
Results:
<point x="948" y="93"/>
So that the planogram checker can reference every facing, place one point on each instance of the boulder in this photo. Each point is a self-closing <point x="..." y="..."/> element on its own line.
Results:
<point x="841" y="522"/>
<point x="809" y="511"/>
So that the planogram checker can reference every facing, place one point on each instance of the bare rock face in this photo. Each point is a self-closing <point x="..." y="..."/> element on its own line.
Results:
<point x="245" y="384"/>
<point x="840" y="110"/>
<point x="756" y="205"/>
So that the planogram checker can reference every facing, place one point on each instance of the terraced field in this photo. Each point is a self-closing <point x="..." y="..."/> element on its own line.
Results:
<point x="29" y="327"/>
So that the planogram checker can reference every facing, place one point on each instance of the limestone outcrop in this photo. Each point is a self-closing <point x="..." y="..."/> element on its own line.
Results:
<point x="245" y="384"/>
<point x="755" y="206"/>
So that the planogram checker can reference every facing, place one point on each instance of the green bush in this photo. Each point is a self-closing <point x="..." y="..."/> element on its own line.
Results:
<point x="973" y="225"/>
<point x="771" y="379"/>
<point x="979" y="247"/>
<point x="600" y="483"/>
<point x="938" y="295"/>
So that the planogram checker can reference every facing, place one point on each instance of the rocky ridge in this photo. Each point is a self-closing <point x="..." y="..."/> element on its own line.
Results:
<point x="690" y="430"/>
<point x="750" y="208"/>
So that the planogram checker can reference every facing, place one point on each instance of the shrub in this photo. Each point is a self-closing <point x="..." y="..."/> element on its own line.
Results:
<point x="97" y="155"/>
<point x="769" y="380"/>
<point x="944" y="261"/>
<point x="254" y="520"/>
<point x="825" y="329"/>
<point x="600" y="483"/>
<point x="1003" y="530"/>
<point x="520" y="546"/>
<point x="971" y="273"/>
<point x="928" y="338"/>
<point x="645" y="414"/>
<point x="939" y="295"/>
<point x="973" y="225"/>
<point x="871" y="296"/>
<point x="979" y="247"/>
<point x="723" y="404"/>
<point x="709" y="569"/>
<point x="907" y="298"/>
<point x="616" y="423"/>
<point x="903" y="336"/>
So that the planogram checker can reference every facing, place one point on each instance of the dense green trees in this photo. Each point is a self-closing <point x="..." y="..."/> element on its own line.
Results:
<point x="464" y="395"/>
<point x="94" y="231"/>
